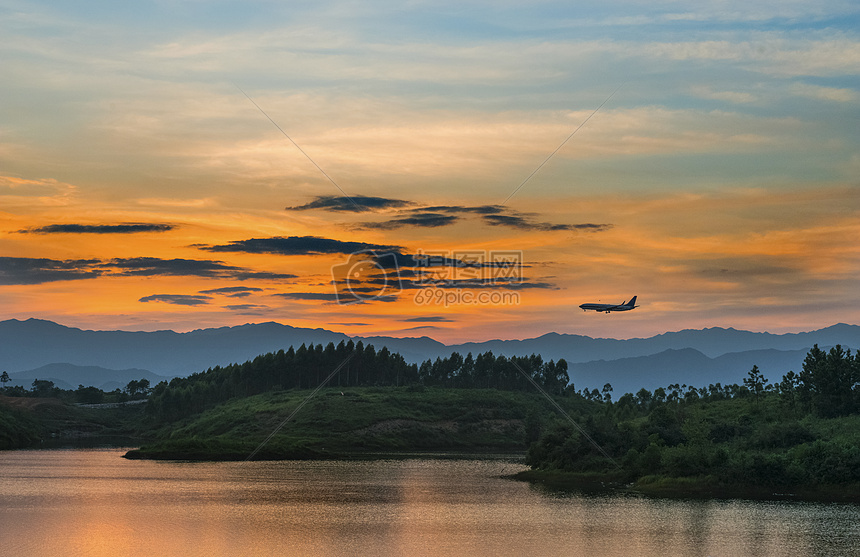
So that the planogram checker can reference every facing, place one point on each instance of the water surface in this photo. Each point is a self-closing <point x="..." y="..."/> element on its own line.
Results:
<point x="93" y="503"/>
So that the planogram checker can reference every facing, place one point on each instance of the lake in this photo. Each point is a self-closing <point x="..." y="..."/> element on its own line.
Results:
<point x="91" y="502"/>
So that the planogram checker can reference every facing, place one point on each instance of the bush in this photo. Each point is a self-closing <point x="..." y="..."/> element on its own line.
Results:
<point x="781" y="436"/>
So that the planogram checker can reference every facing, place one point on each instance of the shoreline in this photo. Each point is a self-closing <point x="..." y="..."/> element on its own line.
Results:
<point x="590" y="483"/>
<point x="309" y="454"/>
<point x="686" y="487"/>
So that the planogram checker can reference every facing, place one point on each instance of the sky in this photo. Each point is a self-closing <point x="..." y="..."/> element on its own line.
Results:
<point x="461" y="170"/>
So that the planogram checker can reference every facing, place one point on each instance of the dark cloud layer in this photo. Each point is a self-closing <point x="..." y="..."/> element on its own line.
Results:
<point x="420" y="220"/>
<point x="480" y="209"/>
<point x="522" y="223"/>
<point x="591" y="227"/>
<point x="233" y="291"/>
<point x="344" y="299"/>
<point x="177" y="299"/>
<point x="354" y="204"/>
<point x="410" y="214"/>
<point x="249" y="309"/>
<point x="429" y="319"/>
<point x="124" y="228"/>
<point x="297" y="245"/>
<point x="431" y="217"/>
<point x="492" y="215"/>
<point x="478" y="284"/>
<point x="423" y="264"/>
<point x="319" y="296"/>
<point x="152" y="266"/>
<point x="261" y="275"/>
<point x="25" y="270"/>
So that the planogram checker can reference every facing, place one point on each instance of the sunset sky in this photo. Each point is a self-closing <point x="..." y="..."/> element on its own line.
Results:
<point x="143" y="185"/>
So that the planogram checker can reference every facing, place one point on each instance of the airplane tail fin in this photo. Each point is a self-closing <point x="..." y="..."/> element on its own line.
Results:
<point x="632" y="301"/>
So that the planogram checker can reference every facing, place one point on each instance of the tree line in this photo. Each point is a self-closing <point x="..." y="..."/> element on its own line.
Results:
<point x="136" y="389"/>
<point x="307" y="366"/>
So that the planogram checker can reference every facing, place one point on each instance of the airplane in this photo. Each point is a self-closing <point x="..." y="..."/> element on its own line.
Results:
<point x="624" y="306"/>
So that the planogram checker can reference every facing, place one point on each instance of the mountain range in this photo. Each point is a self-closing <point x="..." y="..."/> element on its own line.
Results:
<point x="692" y="357"/>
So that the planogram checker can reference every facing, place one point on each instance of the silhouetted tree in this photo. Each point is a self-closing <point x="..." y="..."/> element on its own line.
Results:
<point x="137" y="389"/>
<point x="788" y="389"/>
<point x="828" y="381"/>
<point x="89" y="395"/>
<point x="756" y="382"/>
<point x="607" y="393"/>
<point x="42" y="388"/>
<point x="644" y="398"/>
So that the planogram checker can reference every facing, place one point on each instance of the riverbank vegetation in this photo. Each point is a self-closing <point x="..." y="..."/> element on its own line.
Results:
<point x="34" y="422"/>
<point x="800" y="435"/>
<point x="45" y="415"/>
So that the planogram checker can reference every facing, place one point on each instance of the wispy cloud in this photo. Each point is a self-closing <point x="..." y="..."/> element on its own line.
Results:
<point x="835" y="94"/>
<point x="736" y="97"/>
<point x="28" y="192"/>
<point x="766" y="53"/>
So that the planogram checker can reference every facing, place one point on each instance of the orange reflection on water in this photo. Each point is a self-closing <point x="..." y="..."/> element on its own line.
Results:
<point x="94" y="503"/>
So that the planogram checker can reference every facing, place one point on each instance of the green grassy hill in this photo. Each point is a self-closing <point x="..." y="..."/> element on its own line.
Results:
<point x="358" y="420"/>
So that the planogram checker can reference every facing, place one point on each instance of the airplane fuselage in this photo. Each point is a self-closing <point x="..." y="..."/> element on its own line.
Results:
<point x="607" y="308"/>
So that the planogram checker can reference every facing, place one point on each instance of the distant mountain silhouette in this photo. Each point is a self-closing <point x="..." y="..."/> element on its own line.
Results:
<point x="35" y="343"/>
<point x="694" y="357"/>
<point x="711" y="342"/>
<point x="683" y="366"/>
<point x="69" y="376"/>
